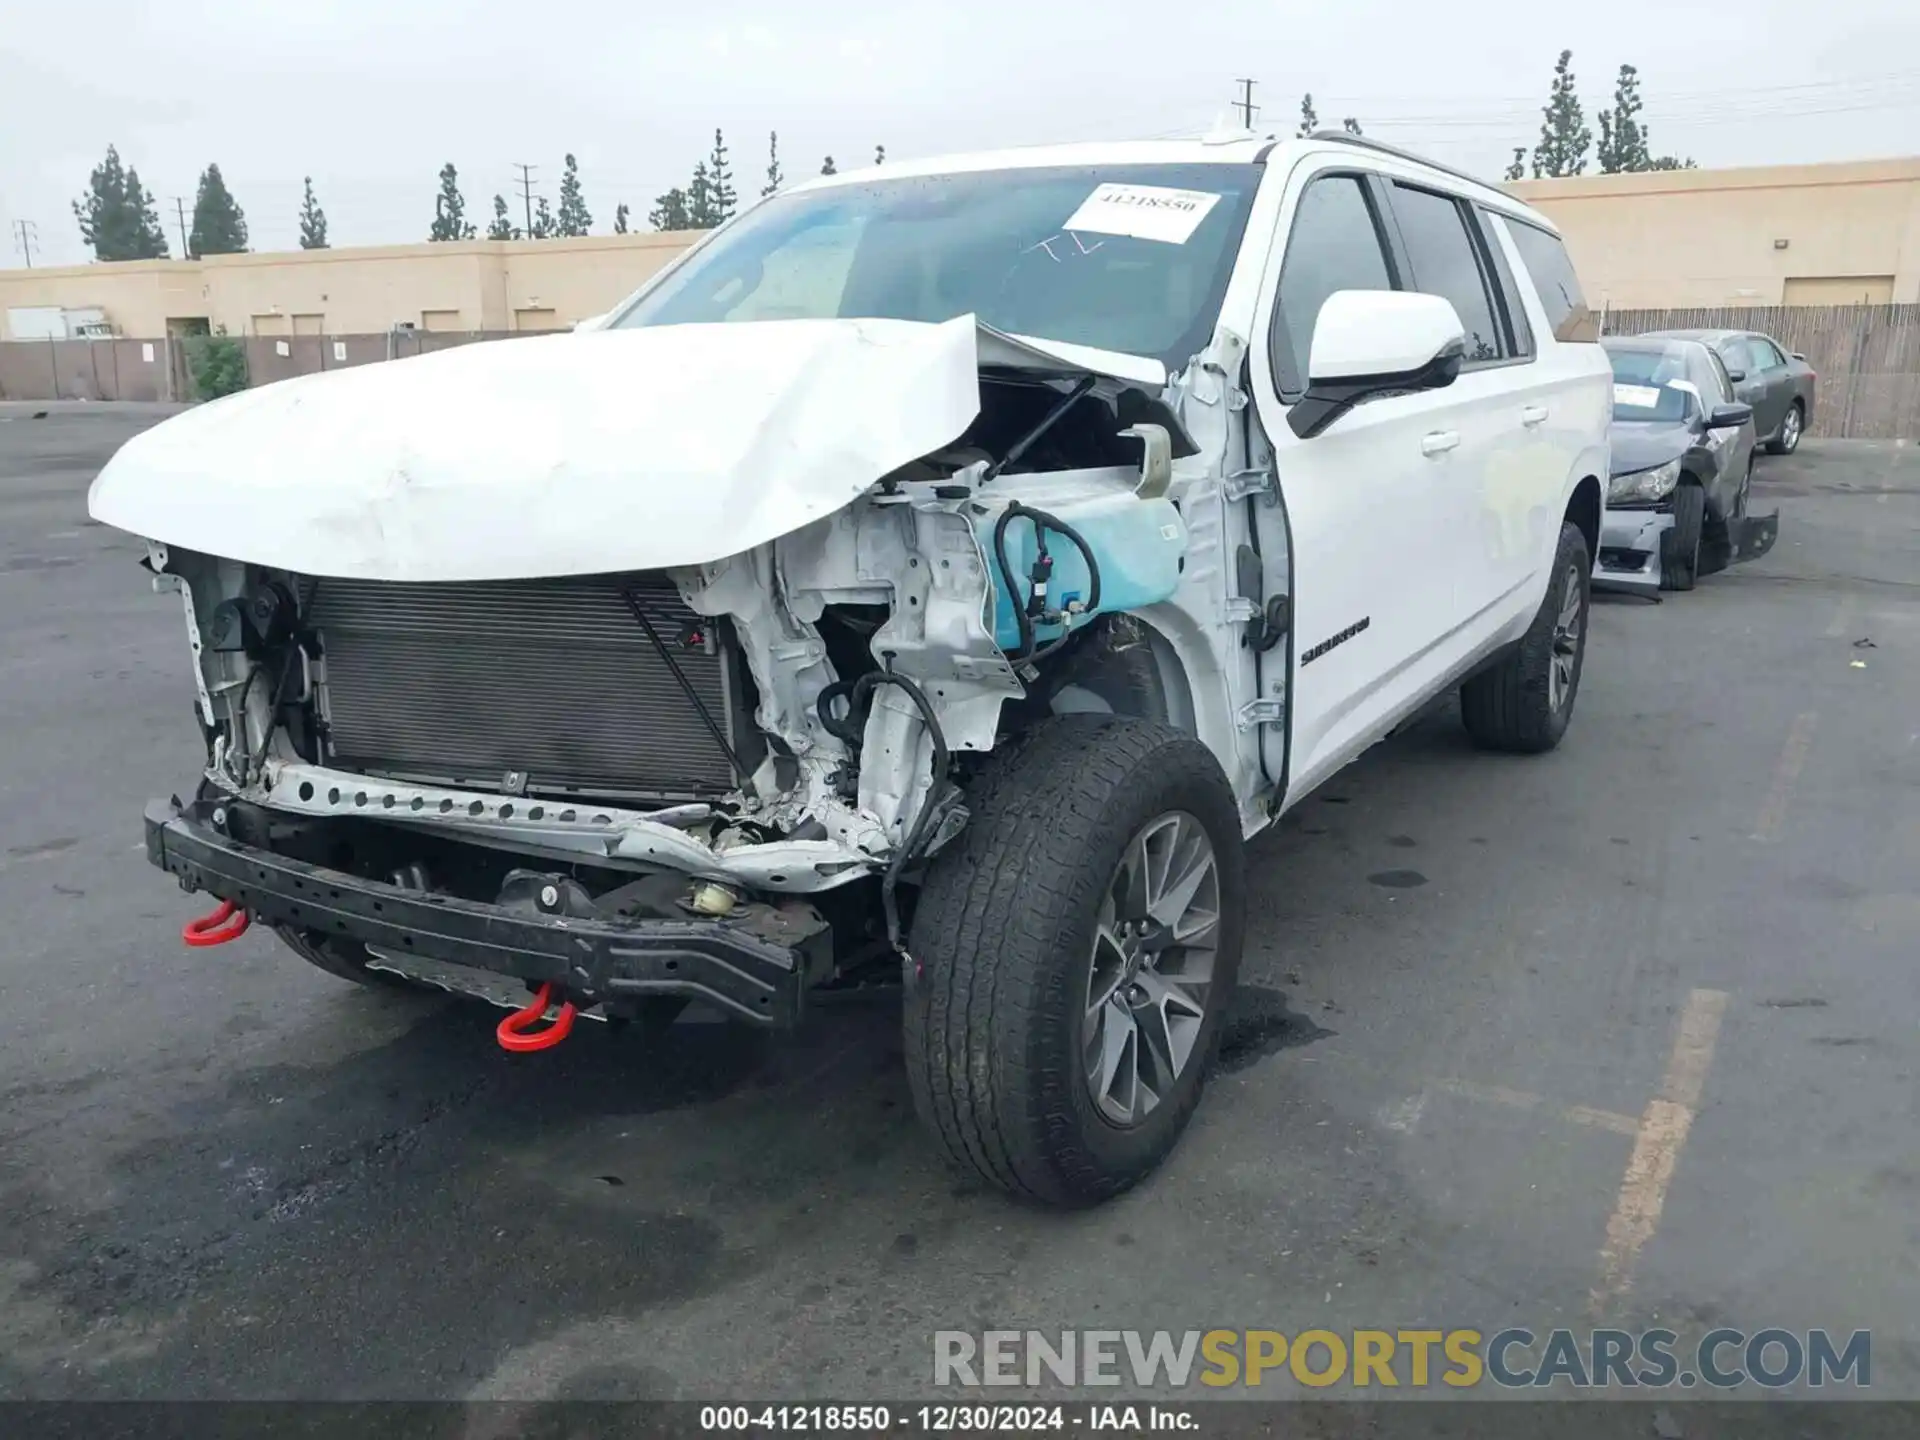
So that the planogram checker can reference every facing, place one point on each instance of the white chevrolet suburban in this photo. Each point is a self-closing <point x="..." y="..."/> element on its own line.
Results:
<point x="937" y="572"/>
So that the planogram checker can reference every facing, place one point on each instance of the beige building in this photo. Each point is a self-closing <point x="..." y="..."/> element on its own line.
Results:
<point x="1838" y="234"/>
<point x="471" y="285"/>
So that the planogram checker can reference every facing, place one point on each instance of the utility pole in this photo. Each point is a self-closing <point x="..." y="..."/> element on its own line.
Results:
<point x="180" y="213"/>
<point x="28" y="232"/>
<point x="526" y="192"/>
<point x="1245" y="104"/>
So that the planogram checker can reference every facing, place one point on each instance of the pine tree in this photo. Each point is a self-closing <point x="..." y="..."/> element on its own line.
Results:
<point x="118" y="217"/>
<point x="722" y="198"/>
<point x="1309" y="120"/>
<point x="313" y="221"/>
<point x="218" y="226"/>
<point x="1564" y="136"/>
<point x="700" y="199"/>
<point x="774" y="178"/>
<point x="546" y="224"/>
<point x="1671" y="162"/>
<point x="620" y="214"/>
<point x="879" y="154"/>
<point x="1351" y="126"/>
<point x="1518" y="169"/>
<point x="573" y="218"/>
<point x="449" y="209"/>
<point x="671" y="211"/>
<point x="1623" y="143"/>
<point x="502" y="227"/>
<point x="828" y="167"/>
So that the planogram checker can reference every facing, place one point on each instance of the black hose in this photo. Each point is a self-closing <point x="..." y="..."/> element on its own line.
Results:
<point x="859" y="696"/>
<point x="1039" y="519"/>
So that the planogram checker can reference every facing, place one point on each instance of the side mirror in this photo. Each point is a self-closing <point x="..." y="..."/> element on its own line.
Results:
<point x="1729" y="417"/>
<point x="1368" y="343"/>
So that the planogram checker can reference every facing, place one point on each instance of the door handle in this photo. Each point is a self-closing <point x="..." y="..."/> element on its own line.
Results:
<point x="1438" y="442"/>
<point x="1533" y="415"/>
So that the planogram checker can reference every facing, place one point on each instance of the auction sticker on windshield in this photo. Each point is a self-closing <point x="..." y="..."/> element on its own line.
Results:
<point x="1145" y="212"/>
<point x="1637" y="397"/>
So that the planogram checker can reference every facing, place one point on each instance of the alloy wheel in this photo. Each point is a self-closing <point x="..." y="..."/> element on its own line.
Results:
<point x="1567" y="627"/>
<point x="1150" y="979"/>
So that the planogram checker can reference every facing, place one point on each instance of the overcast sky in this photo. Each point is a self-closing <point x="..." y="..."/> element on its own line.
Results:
<point x="371" y="97"/>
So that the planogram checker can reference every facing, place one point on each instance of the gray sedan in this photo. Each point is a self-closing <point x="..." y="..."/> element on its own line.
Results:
<point x="1778" y="385"/>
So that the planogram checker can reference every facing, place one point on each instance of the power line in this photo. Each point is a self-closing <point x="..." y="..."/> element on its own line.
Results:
<point x="28" y="233"/>
<point x="526" y="191"/>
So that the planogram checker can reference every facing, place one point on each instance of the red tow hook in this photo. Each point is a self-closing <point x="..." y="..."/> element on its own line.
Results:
<point x="229" y="922"/>
<point x="514" y="1035"/>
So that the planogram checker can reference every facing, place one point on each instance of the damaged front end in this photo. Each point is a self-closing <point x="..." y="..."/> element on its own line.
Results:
<point x="703" y="779"/>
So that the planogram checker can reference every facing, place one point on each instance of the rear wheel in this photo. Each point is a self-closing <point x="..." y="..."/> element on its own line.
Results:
<point x="1791" y="427"/>
<point x="1680" y="544"/>
<point x="1523" y="704"/>
<point x="1072" y="958"/>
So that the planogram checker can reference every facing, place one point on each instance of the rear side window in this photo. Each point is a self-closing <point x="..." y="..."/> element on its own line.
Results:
<point x="1446" y="262"/>
<point x="1723" y="380"/>
<point x="1766" y="354"/>
<point x="1551" y="269"/>
<point x="1335" y="245"/>
<point x="1505" y="290"/>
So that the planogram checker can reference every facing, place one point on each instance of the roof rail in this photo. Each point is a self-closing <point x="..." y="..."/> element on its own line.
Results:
<point x="1347" y="137"/>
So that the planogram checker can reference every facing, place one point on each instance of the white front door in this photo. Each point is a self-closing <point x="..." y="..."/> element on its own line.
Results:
<point x="1372" y="502"/>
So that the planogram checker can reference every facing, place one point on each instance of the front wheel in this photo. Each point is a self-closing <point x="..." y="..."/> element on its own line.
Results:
<point x="1524" y="702"/>
<point x="1680" y="542"/>
<point x="1072" y="958"/>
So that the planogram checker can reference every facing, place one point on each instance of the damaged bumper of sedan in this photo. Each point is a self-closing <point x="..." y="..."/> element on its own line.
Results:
<point x="671" y="753"/>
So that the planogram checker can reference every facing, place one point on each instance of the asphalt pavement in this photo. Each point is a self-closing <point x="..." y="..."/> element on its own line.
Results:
<point x="1625" y="1032"/>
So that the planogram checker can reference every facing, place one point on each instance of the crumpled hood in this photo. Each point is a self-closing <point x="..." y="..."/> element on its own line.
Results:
<point x="1642" y="444"/>
<point x="568" y="454"/>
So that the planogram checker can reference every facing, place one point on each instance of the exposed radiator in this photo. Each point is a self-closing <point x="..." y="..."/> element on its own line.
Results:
<point x="551" y="679"/>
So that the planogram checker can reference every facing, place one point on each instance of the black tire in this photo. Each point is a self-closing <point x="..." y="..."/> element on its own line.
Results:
<point x="1680" y="544"/>
<point x="1513" y="706"/>
<point x="1792" y="425"/>
<point x="1003" y="949"/>
<point x="343" y="959"/>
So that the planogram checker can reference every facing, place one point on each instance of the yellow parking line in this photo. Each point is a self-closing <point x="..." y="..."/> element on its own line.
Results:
<point x="1773" y="812"/>
<point x="1658" y="1140"/>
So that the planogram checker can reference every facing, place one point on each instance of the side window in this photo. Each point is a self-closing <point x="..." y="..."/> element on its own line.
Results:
<point x="1734" y="351"/>
<point x="1445" y="262"/>
<point x="1766" y="355"/>
<point x="1720" y="376"/>
<point x="1551" y="269"/>
<point x="1334" y="245"/>
<point x="1519" y="332"/>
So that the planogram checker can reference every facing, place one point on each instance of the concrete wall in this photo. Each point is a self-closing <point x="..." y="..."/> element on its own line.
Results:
<point x="458" y="286"/>
<point x="1788" y="234"/>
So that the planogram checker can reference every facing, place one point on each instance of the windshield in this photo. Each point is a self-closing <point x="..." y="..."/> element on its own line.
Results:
<point x="1132" y="258"/>
<point x="1652" y="385"/>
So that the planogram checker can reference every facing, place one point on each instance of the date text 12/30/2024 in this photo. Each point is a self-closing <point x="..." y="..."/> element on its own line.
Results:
<point x="946" y="1419"/>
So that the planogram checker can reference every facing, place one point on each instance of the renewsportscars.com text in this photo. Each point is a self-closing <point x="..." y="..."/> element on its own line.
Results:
<point x="1412" y="1359"/>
